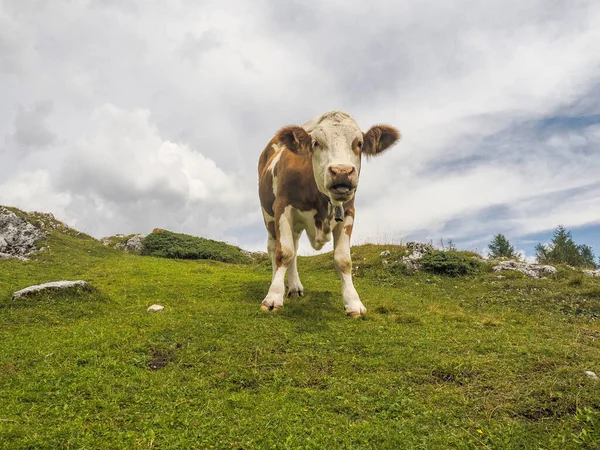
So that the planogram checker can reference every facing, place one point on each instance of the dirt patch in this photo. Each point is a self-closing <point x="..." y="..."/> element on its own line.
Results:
<point x="159" y="359"/>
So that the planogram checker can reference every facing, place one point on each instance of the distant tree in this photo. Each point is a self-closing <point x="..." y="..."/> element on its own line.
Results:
<point x="587" y="256"/>
<point x="500" y="247"/>
<point x="563" y="250"/>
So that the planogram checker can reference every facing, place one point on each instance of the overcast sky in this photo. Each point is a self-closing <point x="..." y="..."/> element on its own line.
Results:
<point x="120" y="116"/>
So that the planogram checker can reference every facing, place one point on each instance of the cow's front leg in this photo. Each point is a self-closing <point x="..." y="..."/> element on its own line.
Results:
<point x="285" y="253"/>
<point x="343" y="263"/>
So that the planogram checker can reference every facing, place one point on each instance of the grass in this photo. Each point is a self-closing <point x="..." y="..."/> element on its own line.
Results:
<point x="439" y="362"/>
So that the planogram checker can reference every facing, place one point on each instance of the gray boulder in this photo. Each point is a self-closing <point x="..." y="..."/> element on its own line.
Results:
<point x="53" y="285"/>
<point x="593" y="273"/>
<point x="416" y="251"/>
<point x="17" y="236"/>
<point x="531" y="270"/>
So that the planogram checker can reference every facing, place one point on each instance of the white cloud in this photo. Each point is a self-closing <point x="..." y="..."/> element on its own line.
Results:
<point x="159" y="111"/>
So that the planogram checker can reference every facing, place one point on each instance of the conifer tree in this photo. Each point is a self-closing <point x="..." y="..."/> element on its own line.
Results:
<point x="500" y="247"/>
<point x="563" y="250"/>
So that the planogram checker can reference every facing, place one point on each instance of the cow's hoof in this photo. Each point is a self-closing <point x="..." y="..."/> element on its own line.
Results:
<point x="295" y="293"/>
<point x="271" y="308"/>
<point x="354" y="314"/>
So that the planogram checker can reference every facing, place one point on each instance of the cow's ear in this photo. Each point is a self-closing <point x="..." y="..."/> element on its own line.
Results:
<point x="379" y="138"/>
<point x="295" y="139"/>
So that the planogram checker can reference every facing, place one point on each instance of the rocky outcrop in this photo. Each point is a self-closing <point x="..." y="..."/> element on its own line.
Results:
<point x="592" y="273"/>
<point x="531" y="270"/>
<point x="130" y="244"/>
<point x="416" y="251"/>
<point x="18" y="237"/>
<point x="53" y="285"/>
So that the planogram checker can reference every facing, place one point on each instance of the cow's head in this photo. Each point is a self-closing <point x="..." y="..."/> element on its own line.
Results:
<point x="335" y="143"/>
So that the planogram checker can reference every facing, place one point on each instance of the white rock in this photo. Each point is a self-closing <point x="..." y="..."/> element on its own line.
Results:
<point x="155" y="308"/>
<point x="385" y="253"/>
<point x="591" y="374"/>
<point x="17" y="236"/>
<point x="531" y="270"/>
<point x="53" y="285"/>
<point x="593" y="273"/>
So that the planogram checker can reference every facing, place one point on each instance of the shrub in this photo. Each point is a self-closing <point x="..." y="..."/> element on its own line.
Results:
<point x="166" y="244"/>
<point x="450" y="263"/>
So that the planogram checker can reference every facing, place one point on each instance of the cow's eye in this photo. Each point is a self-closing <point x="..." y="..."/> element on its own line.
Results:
<point x="359" y="144"/>
<point x="315" y="144"/>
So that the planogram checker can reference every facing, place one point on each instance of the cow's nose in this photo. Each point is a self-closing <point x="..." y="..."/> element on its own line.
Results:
<point x="342" y="170"/>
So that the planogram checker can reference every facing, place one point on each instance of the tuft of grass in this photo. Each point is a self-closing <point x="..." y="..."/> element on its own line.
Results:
<point x="167" y="244"/>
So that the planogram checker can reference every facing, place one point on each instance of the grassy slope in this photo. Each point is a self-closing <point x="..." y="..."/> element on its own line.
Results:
<point x="438" y="362"/>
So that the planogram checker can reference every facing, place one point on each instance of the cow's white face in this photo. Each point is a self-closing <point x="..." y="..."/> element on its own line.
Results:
<point x="336" y="143"/>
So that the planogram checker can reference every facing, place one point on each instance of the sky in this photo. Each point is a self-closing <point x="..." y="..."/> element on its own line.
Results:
<point x="120" y="116"/>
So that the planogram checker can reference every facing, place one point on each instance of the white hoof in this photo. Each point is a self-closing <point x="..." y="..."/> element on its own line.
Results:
<point x="356" y="311"/>
<point x="271" y="304"/>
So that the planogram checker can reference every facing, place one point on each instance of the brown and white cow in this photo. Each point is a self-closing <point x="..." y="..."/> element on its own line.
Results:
<point x="307" y="181"/>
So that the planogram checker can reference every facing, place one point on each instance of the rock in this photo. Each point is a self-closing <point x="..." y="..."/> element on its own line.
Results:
<point x="385" y="253"/>
<point x="133" y="244"/>
<point x="53" y="285"/>
<point x="593" y="273"/>
<point x="155" y="308"/>
<point x="416" y="251"/>
<point x="17" y="236"/>
<point x="384" y="262"/>
<point x="531" y="270"/>
<point x="591" y="374"/>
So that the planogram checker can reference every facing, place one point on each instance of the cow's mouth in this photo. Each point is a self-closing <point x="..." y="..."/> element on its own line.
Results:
<point x="342" y="189"/>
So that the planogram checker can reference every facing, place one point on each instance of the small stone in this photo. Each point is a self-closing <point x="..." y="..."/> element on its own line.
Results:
<point x="385" y="253"/>
<point x="155" y="308"/>
<point x="591" y="374"/>
<point x="384" y="262"/>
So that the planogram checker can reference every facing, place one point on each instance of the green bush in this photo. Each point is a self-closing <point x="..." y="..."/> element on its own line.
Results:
<point x="450" y="263"/>
<point x="166" y="244"/>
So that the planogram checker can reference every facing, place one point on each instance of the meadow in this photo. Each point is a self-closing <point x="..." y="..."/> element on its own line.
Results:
<point x="477" y="361"/>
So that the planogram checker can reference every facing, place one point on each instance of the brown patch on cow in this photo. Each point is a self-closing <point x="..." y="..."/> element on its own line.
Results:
<point x="379" y="138"/>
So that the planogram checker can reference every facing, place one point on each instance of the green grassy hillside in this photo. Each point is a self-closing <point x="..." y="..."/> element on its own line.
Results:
<point x="472" y="361"/>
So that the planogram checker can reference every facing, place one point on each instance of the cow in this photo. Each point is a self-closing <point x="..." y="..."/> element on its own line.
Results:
<point x="308" y="178"/>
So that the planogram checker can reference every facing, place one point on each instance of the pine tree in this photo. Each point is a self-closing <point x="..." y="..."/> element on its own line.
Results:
<point x="587" y="256"/>
<point x="563" y="250"/>
<point x="500" y="247"/>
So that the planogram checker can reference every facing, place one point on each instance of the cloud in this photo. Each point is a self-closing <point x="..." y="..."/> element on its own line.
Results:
<point x="31" y="132"/>
<point x="159" y="120"/>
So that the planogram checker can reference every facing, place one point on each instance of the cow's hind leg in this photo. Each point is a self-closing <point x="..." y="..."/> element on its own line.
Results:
<point x="285" y="253"/>
<point x="295" y="287"/>
<point x="343" y="264"/>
